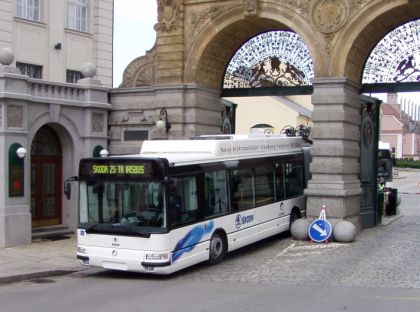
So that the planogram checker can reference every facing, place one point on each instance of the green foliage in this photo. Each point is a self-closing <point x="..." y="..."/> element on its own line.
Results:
<point x="408" y="163"/>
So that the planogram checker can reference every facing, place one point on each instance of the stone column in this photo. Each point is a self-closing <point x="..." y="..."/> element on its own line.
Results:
<point x="335" y="151"/>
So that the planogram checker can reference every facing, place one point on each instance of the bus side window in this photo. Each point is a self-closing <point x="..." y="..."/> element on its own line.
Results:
<point x="183" y="204"/>
<point x="264" y="185"/>
<point x="215" y="193"/>
<point x="242" y="189"/>
<point x="294" y="180"/>
<point x="279" y="182"/>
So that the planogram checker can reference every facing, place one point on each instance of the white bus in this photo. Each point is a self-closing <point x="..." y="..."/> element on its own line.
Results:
<point x="181" y="202"/>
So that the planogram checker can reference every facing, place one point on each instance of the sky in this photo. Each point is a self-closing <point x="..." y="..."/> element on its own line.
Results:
<point x="133" y="33"/>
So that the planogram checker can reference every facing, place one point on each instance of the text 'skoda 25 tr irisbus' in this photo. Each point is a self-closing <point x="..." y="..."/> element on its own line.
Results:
<point x="181" y="202"/>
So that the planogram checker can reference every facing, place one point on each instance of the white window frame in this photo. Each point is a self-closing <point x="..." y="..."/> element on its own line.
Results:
<point x="78" y="15"/>
<point x="74" y="76"/>
<point x="29" y="9"/>
<point x="31" y="70"/>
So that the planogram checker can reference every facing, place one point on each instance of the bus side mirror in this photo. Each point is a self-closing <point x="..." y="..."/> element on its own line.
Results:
<point x="67" y="186"/>
<point x="67" y="190"/>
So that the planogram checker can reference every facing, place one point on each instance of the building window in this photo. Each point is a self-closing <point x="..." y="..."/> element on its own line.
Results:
<point x="77" y="14"/>
<point x="72" y="76"/>
<point x="28" y="9"/>
<point x="33" y="71"/>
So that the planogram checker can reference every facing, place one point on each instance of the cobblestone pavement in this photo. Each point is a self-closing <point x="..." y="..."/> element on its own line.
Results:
<point x="384" y="256"/>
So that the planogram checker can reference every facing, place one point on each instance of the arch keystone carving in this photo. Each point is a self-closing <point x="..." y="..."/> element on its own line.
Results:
<point x="328" y="16"/>
<point x="250" y="7"/>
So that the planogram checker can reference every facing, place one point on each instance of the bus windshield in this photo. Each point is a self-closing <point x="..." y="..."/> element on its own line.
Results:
<point x="131" y="208"/>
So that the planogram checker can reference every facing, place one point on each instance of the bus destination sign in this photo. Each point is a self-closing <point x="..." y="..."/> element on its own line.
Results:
<point x="98" y="169"/>
<point x="118" y="168"/>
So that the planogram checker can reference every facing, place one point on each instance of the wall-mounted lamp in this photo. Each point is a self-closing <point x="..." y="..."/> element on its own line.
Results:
<point x="57" y="46"/>
<point x="163" y="122"/>
<point x="16" y="170"/>
<point x="104" y="153"/>
<point x="21" y="152"/>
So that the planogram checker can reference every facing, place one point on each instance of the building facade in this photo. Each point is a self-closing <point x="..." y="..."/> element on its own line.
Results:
<point x="52" y="39"/>
<point x="55" y="74"/>
<point x="196" y="40"/>
<point x="179" y="82"/>
<point x="400" y="126"/>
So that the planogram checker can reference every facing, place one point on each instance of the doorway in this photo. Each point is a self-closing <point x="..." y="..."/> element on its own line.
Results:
<point x="46" y="177"/>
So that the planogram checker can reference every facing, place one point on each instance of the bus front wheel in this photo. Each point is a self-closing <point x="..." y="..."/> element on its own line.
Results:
<point x="218" y="248"/>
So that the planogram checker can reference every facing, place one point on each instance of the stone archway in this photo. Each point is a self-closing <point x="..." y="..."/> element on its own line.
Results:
<point x="195" y="41"/>
<point x="214" y="46"/>
<point x="53" y="156"/>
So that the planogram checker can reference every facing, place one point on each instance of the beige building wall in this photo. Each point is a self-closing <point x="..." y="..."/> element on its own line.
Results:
<point x="36" y="42"/>
<point x="303" y="100"/>
<point x="267" y="110"/>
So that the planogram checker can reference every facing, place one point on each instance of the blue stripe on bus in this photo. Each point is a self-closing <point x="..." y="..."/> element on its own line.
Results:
<point x="189" y="241"/>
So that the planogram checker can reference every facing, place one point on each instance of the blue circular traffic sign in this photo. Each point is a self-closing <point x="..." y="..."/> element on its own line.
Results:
<point x="320" y="230"/>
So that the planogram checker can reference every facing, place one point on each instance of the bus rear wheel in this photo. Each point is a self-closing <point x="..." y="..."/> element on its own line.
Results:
<point x="218" y="248"/>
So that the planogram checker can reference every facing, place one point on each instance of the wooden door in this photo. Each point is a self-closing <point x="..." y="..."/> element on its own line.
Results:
<point x="46" y="179"/>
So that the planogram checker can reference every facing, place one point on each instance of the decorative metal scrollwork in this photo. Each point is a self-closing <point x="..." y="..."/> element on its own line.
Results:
<point x="275" y="58"/>
<point x="396" y="58"/>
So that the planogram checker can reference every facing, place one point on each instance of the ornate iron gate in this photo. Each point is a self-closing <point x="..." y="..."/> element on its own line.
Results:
<point x="369" y="137"/>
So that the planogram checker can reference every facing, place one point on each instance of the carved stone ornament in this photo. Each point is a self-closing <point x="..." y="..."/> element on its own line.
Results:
<point x="140" y="72"/>
<point x="14" y="116"/>
<point x="168" y="15"/>
<point x="97" y="123"/>
<point x="200" y="19"/>
<point x="328" y="16"/>
<point x="250" y="7"/>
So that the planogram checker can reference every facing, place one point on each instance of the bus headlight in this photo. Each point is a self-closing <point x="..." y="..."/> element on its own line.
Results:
<point x="156" y="256"/>
<point x="81" y="250"/>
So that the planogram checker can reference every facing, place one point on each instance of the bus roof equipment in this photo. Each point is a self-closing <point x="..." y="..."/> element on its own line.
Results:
<point x="219" y="147"/>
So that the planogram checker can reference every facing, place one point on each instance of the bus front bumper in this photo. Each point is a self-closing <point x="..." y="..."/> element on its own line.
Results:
<point x="126" y="260"/>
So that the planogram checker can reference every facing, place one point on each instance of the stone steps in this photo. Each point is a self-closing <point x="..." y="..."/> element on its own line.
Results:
<point x="51" y="232"/>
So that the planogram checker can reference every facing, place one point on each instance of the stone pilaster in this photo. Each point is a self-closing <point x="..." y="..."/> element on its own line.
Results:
<point x="169" y="42"/>
<point x="335" y="152"/>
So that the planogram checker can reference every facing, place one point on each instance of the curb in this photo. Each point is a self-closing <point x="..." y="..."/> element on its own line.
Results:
<point x="28" y="276"/>
<point x="389" y="220"/>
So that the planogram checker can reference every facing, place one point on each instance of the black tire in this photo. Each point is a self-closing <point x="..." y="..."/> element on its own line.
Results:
<point x="218" y="248"/>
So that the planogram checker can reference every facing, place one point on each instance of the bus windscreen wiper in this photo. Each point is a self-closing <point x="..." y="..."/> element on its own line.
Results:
<point x="90" y="228"/>
<point x="115" y="228"/>
<point x="130" y="230"/>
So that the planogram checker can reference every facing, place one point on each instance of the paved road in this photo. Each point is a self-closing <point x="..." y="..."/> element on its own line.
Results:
<point x="384" y="256"/>
<point x="380" y="271"/>
<point x="407" y="181"/>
